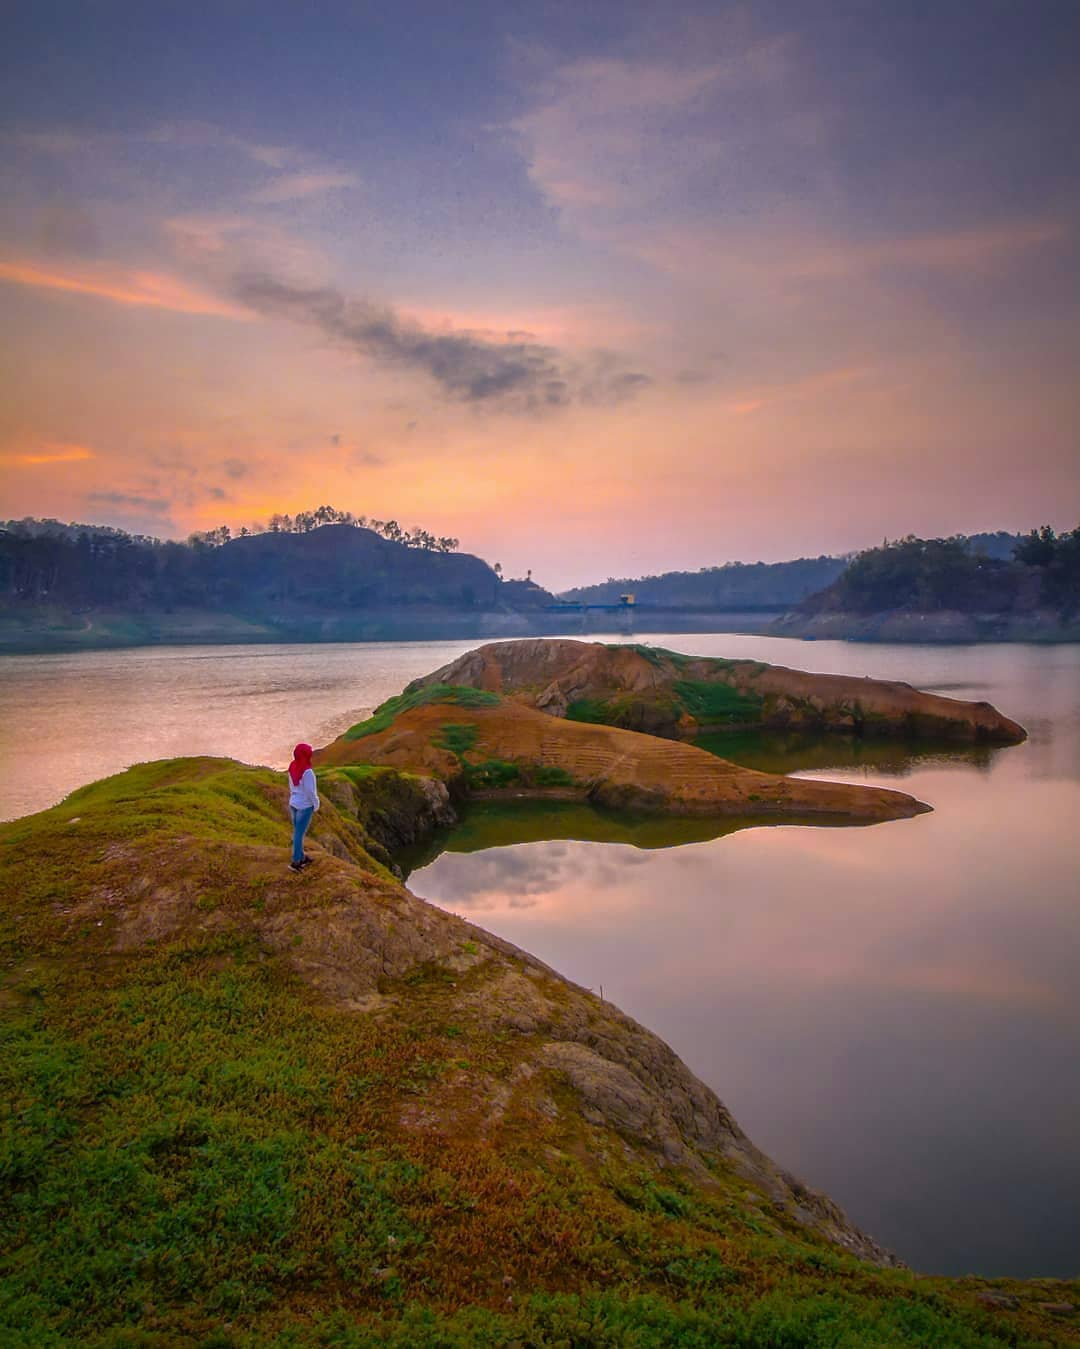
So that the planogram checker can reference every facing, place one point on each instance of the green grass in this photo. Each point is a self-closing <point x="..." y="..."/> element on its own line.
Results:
<point x="712" y="703"/>
<point x="457" y="737"/>
<point x="192" y="1141"/>
<point x="598" y="711"/>
<point x="384" y="714"/>
<point x="491" y="774"/>
<point x="551" y="775"/>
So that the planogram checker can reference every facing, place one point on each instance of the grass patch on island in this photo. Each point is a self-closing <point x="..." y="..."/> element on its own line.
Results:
<point x="384" y="714"/>
<point x="712" y="703"/>
<point x="458" y="737"/>
<point x="597" y="711"/>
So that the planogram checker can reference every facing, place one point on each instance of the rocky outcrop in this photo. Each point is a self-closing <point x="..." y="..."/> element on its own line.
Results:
<point x="669" y="694"/>
<point x="500" y="744"/>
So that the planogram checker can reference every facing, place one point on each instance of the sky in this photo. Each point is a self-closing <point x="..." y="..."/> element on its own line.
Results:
<point x="601" y="289"/>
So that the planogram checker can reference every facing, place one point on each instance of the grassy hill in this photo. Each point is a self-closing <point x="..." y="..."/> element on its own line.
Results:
<point x="246" y="1107"/>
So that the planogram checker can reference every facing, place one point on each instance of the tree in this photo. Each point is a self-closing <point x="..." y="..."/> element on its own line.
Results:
<point x="1038" y="548"/>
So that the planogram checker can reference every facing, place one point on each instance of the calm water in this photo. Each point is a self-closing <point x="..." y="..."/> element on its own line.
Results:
<point x="892" y="1012"/>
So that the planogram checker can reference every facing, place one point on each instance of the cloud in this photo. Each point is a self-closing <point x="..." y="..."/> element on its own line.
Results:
<point x="298" y="186"/>
<point x="517" y="375"/>
<point x="174" y="461"/>
<point x="53" y="454"/>
<point x="154" y="290"/>
<point x="606" y="139"/>
<point x="191" y="135"/>
<point x="235" y="468"/>
<point x="980" y="248"/>
<point x="155" y="505"/>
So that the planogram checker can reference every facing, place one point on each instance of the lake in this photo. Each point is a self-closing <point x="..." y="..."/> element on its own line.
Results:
<point x="891" y="1012"/>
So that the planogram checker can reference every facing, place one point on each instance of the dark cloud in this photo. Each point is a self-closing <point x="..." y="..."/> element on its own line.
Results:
<point x="365" y="459"/>
<point x="156" y="505"/>
<point x="176" y="461"/>
<point x="235" y="468"/>
<point x="519" y="375"/>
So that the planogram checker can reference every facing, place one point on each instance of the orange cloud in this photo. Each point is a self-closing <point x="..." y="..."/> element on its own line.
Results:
<point x="53" y="454"/>
<point x="151" y="289"/>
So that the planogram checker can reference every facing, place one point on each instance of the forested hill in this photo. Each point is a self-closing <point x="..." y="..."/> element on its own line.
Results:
<point x="736" y="585"/>
<point x="335" y="566"/>
<point x="732" y="586"/>
<point x="930" y="575"/>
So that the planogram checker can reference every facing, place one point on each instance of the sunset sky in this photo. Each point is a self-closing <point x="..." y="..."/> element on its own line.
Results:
<point x="599" y="288"/>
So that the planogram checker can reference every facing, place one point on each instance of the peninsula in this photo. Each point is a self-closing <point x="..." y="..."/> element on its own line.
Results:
<point x="251" y="1107"/>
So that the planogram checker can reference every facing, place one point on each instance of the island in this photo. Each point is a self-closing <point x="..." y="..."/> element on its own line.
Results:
<point x="667" y="693"/>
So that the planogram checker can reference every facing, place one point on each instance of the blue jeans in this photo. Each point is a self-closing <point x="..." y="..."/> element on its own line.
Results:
<point x="301" y="819"/>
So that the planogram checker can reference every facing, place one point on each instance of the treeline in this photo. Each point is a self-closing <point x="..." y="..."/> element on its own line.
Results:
<point x="303" y="522"/>
<point x="929" y="575"/>
<point x="733" y="585"/>
<point x="348" y="564"/>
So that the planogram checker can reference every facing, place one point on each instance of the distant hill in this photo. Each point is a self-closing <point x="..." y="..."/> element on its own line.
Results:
<point x="326" y="576"/>
<point x="731" y="586"/>
<point x="734" y="585"/>
<point x="335" y="566"/>
<point x="957" y="589"/>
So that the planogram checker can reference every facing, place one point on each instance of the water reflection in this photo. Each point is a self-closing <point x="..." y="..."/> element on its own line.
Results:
<point x="793" y="752"/>
<point x="503" y="824"/>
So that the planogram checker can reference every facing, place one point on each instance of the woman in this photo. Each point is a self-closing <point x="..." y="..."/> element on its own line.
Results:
<point x="303" y="803"/>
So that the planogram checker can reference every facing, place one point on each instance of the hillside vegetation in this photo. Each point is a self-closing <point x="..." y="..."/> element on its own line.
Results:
<point x="244" y="1107"/>
<point x="732" y="585"/>
<point x="934" y="574"/>
<point x="330" y="566"/>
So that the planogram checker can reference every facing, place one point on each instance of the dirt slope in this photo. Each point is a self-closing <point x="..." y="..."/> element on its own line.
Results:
<point x="508" y="744"/>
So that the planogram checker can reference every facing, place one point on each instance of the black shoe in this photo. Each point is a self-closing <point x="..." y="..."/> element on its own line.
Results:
<point x="307" y="861"/>
<point x="296" y="866"/>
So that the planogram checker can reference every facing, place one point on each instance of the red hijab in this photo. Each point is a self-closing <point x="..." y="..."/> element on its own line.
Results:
<point x="300" y="764"/>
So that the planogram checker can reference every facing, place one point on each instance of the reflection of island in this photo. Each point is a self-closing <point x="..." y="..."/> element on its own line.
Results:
<point x="795" y="752"/>
<point x="501" y="824"/>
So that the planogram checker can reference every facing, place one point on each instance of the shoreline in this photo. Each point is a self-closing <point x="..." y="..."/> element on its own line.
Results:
<point x="863" y="630"/>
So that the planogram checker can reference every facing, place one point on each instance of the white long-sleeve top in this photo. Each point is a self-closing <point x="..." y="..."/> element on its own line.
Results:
<point x="304" y="794"/>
